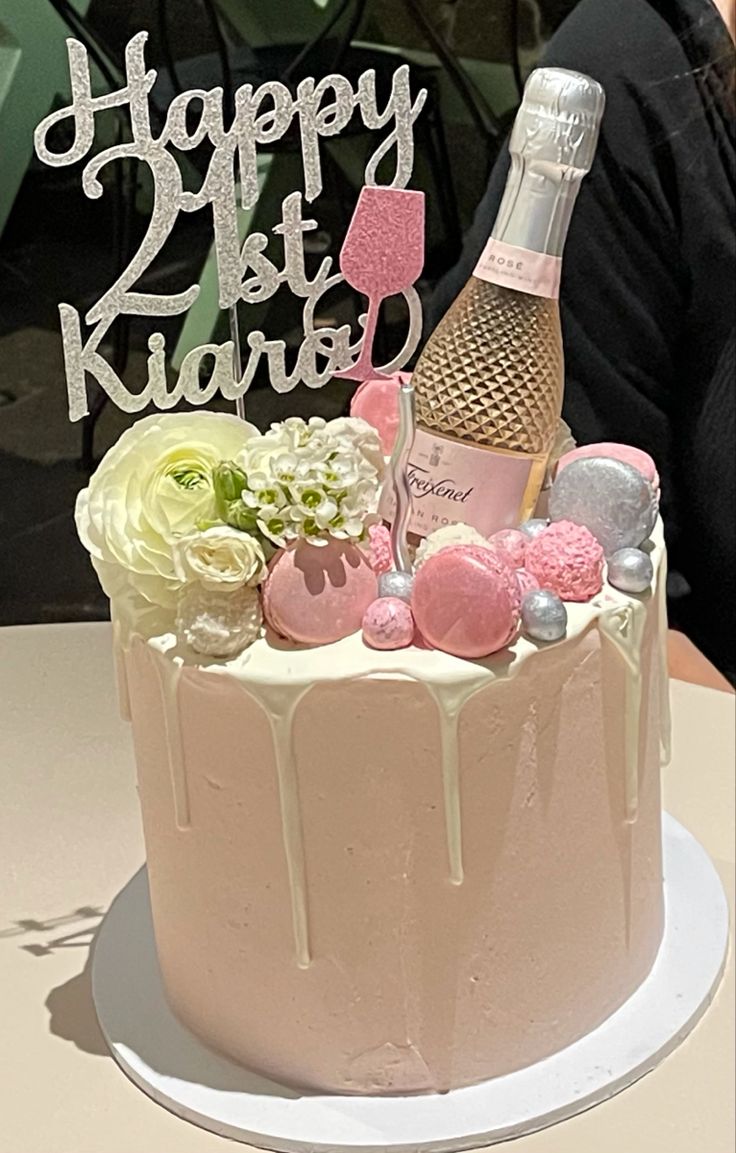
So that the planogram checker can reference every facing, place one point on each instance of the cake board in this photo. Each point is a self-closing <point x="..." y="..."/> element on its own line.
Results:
<point x="168" y="1063"/>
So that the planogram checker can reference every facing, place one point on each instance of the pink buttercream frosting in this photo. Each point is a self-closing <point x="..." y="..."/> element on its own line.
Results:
<point x="466" y="601"/>
<point x="567" y="559"/>
<point x="377" y="402"/>
<point x="318" y="594"/>
<point x="380" y="553"/>
<point x="511" y="544"/>
<point x="388" y="624"/>
<point x="627" y="453"/>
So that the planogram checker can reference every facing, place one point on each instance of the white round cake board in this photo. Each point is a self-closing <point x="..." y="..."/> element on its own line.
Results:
<point x="165" y="1060"/>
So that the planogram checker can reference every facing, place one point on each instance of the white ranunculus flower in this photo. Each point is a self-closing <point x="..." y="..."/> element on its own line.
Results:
<point x="153" y="487"/>
<point x="221" y="557"/>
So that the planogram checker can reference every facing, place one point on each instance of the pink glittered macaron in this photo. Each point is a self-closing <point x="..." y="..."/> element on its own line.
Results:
<point x="388" y="623"/>
<point x="627" y="453"/>
<point x="377" y="402"/>
<point x="466" y="601"/>
<point x="566" y="559"/>
<point x="317" y="594"/>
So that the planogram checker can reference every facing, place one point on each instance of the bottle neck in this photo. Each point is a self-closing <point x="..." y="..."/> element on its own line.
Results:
<point x="537" y="205"/>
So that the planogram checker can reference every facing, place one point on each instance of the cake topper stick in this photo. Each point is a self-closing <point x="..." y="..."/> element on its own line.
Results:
<point x="237" y="360"/>
<point x="399" y="475"/>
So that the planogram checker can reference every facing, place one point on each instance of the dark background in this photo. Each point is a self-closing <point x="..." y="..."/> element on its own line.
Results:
<point x="56" y="245"/>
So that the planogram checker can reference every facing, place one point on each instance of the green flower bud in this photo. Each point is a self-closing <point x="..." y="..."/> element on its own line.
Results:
<point x="237" y="515"/>
<point x="229" y="481"/>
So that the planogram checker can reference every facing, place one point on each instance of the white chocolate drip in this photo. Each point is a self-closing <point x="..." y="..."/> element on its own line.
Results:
<point x="623" y="627"/>
<point x="665" y="712"/>
<point x="280" y="709"/>
<point x="168" y="678"/>
<point x="121" y="672"/>
<point x="450" y="681"/>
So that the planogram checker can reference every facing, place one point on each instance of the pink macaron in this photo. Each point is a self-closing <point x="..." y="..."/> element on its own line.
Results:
<point x="317" y="594"/>
<point x="377" y="402"/>
<point x="627" y="453"/>
<point x="466" y="601"/>
<point x="511" y="544"/>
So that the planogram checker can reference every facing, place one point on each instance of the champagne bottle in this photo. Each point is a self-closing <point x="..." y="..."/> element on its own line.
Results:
<point x="489" y="382"/>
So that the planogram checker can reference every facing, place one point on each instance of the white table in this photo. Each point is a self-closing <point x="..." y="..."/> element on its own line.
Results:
<point x="70" y="839"/>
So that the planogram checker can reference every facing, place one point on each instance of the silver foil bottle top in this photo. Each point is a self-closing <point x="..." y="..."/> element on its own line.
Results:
<point x="559" y="118"/>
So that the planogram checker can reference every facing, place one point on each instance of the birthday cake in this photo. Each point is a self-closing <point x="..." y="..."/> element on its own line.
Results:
<point x="380" y="869"/>
<point x="400" y="798"/>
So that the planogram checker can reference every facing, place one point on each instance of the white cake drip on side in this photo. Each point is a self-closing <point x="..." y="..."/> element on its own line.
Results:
<point x="279" y="676"/>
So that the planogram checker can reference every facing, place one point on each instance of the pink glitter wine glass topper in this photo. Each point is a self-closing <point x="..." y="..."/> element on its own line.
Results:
<point x="382" y="255"/>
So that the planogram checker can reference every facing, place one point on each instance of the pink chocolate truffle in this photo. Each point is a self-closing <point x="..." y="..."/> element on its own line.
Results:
<point x="567" y="559"/>
<point x="316" y="594"/>
<point x="380" y="554"/>
<point x="466" y="601"/>
<point x="377" y="401"/>
<point x="636" y="457"/>
<point x="388" y="624"/>
<point x="511" y="544"/>
<point x="527" y="583"/>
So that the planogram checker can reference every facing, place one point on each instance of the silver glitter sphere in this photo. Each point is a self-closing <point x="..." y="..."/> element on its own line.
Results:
<point x="630" y="570"/>
<point x="396" y="584"/>
<point x="612" y="499"/>
<point x="532" y="528"/>
<point x="543" y="615"/>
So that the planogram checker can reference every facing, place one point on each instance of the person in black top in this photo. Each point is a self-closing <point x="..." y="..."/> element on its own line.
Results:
<point x="648" y="295"/>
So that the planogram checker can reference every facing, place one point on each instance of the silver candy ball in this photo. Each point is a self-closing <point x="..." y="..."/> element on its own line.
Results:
<point x="630" y="570"/>
<point x="543" y="615"/>
<point x="396" y="584"/>
<point x="612" y="499"/>
<point x="532" y="528"/>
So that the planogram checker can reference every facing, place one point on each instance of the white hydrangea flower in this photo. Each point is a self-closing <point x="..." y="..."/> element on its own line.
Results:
<point x="446" y="537"/>
<point x="313" y="480"/>
<point x="218" y="624"/>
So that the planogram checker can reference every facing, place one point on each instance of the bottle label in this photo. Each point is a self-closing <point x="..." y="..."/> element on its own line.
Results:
<point x="454" y="482"/>
<point x="520" y="268"/>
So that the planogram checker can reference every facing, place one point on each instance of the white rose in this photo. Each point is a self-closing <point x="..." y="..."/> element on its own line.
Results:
<point x="153" y="487"/>
<point x="220" y="558"/>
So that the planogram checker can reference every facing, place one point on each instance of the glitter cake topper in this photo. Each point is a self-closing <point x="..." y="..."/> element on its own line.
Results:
<point x="383" y="252"/>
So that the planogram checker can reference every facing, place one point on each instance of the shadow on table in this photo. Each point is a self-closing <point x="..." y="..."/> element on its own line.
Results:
<point x="137" y="1017"/>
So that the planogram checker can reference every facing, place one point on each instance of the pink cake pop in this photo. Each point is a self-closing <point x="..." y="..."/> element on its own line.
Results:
<point x="388" y="624"/>
<point x="318" y="594"/>
<point x="636" y="457"/>
<point x="466" y="601"/>
<point x="568" y="560"/>
<point x="377" y="402"/>
<point x="510" y="543"/>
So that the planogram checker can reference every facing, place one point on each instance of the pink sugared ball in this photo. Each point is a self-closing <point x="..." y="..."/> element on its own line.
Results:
<point x="380" y="553"/>
<point x="466" y="601"/>
<point x="527" y="583"/>
<point x="567" y="559"/>
<point x="317" y="594"/>
<point x="511" y="544"/>
<point x="636" y="457"/>
<point x="388" y="623"/>
<point x="377" y="401"/>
